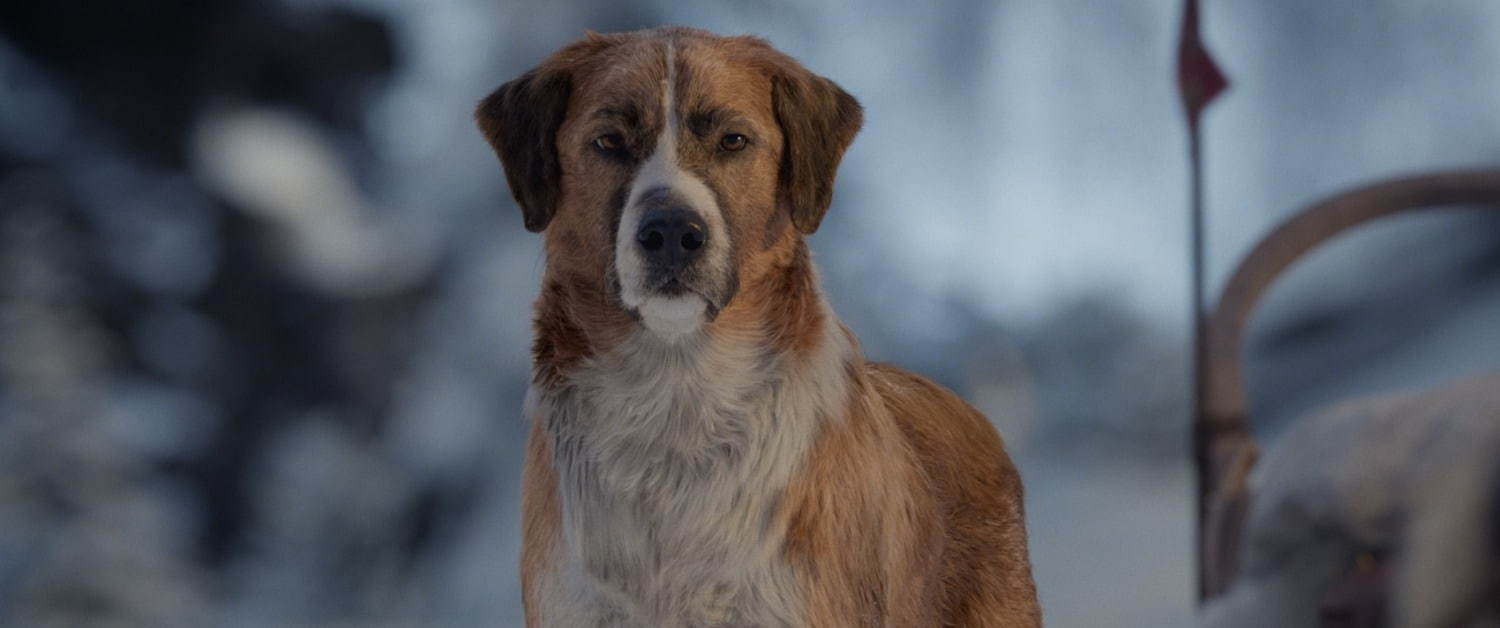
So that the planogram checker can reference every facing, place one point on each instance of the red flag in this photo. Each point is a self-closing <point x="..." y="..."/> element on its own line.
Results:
<point x="1198" y="77"/>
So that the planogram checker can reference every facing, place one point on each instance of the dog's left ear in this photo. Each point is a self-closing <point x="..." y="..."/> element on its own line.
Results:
<point x="818" y="121"/>
<point x="520" y="120"/>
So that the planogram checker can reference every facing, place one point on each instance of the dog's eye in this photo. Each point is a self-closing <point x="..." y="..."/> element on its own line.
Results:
<point x="733" y="142"/>
<point x="609" y="143"/>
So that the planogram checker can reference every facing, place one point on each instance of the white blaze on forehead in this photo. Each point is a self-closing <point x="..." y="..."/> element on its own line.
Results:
<point x="663" y="314"/>
<point x="661" y="169"/>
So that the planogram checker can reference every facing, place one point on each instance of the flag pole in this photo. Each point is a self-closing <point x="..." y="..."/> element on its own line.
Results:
<point x="1202" y="454"/>
<point x="1198" y="81"/>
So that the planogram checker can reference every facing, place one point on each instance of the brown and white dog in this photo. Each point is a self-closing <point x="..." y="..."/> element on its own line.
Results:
<point x="708" y="446"/>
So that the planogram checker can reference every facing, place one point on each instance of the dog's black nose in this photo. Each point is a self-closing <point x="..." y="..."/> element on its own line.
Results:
<point x="671" y="236"/>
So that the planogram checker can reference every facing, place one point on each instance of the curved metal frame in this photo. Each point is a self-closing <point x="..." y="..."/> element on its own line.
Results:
<point x="1225" y="449"/>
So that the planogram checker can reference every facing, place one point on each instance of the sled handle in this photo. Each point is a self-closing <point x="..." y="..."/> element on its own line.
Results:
<point x="1225" y="449"/>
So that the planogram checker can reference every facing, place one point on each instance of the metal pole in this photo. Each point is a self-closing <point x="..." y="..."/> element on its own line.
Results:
<point x="1198" y="81"/>
<point x="1200" y="438"/>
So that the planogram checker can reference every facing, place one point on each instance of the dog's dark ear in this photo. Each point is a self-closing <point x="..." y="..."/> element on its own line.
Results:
<point x="520" y="120"/>
<point x="818" y="121"/>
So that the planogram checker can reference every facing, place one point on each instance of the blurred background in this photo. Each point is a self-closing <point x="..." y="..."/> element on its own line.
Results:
<point x="265" y="298"/>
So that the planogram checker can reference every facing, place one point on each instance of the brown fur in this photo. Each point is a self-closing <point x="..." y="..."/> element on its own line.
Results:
<point x="869" y="548"/>
<point x="908" y="511"/>
<point x="802" y="123"/>
<point x="986" y="569"/>
<point x="952" y="552"/>
<point x="541" y="520"/>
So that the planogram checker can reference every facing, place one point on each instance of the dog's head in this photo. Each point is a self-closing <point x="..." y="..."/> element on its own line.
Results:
<point x="670" y="165"/>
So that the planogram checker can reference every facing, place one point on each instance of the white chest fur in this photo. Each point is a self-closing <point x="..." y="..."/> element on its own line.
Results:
<point x="671" y="463"/>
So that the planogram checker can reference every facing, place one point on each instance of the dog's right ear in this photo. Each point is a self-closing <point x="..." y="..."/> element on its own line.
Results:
<point x="521" y="120"/>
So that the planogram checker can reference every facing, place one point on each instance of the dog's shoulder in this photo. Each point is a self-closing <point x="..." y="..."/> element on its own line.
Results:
<point x="985" y="565"/>
<point x="950" y="436"/>
<point x="541" y="520"/>
<point x="959" y="451"/>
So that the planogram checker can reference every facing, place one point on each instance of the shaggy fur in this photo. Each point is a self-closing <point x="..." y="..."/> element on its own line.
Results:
<point x="723" y="455"/>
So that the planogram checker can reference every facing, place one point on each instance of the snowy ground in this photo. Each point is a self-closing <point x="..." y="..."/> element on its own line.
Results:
<point x="1111" y="535"/>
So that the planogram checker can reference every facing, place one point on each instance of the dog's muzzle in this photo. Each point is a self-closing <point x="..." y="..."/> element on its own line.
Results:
<point x="673" y="258"/>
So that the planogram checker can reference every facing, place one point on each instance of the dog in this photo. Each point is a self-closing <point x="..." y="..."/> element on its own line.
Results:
<point x="1376" y="511"/>
<point x="708" y="447"/>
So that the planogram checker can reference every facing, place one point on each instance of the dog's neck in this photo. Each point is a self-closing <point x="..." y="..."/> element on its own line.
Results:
<point x="690" y="396"/>
<point x="580" y="324"/>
